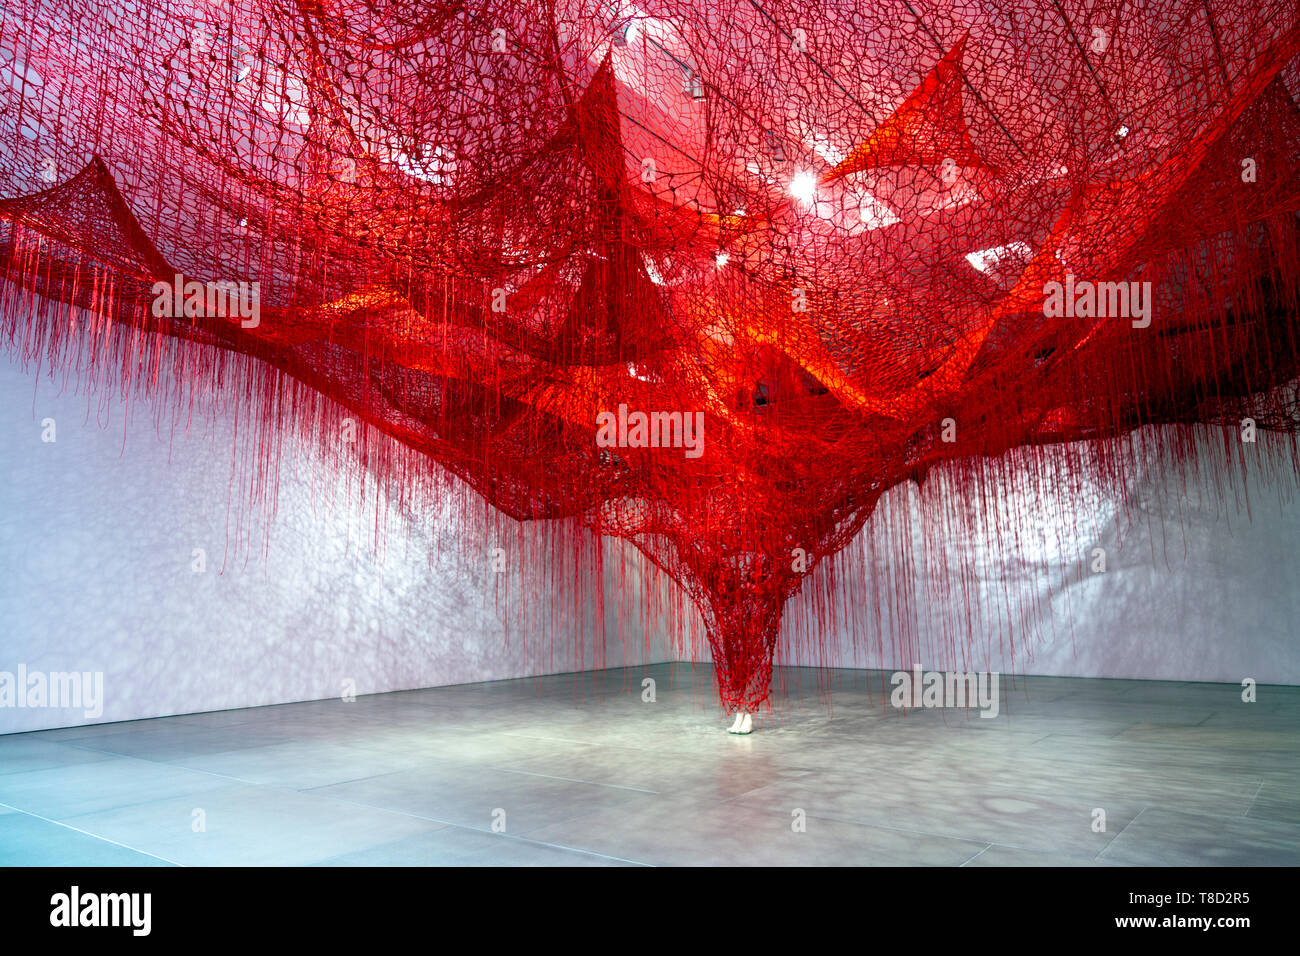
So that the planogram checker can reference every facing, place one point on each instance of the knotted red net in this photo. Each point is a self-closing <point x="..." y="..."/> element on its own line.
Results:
<point x="709" y="277"/>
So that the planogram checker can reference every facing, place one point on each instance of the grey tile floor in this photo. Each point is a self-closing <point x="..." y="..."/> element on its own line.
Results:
<point x="579" y="770"/>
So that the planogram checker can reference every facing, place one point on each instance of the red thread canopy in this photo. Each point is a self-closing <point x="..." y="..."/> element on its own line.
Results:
<point x="846" y="243"/>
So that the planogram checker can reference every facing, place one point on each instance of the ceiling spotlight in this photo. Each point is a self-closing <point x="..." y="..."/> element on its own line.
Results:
<point x="775" y="148"/>
<point x="721" y="259"/>
<point x="619" y="23"/>
<point x="804" y="187"/>
<point x="986" y="260"/>
<point x="693" y="83"/>
<point x="1122" y="132"/>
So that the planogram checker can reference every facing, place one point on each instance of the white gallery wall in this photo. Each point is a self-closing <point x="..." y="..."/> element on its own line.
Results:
<point x="1190" y="580"/>
<point x="98" y="533"/>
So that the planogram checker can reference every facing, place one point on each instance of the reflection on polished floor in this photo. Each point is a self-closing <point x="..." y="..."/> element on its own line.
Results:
<point x="580" y="770"/>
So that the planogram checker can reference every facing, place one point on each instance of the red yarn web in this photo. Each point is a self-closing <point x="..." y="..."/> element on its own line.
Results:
<point x="827" y="232"/>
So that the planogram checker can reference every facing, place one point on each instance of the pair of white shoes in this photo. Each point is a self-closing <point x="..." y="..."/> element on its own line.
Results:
<point x="744" y="724"/>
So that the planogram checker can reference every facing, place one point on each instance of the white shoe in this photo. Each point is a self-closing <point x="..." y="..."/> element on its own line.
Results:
<point x="744" y="724"/>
